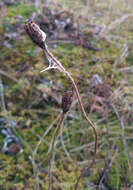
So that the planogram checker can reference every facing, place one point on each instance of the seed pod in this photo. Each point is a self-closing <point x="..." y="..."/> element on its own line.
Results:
<point x="36" y="34"/>
<point x="66" y="101"/>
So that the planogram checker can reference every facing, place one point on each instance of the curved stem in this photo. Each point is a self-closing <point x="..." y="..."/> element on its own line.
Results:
<point x="62" y="69"/>
<point x="38" y="37"/>
<point x="92" y="126"/>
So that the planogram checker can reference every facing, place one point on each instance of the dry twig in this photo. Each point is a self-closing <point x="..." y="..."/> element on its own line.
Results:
<point x="38" y="37"/>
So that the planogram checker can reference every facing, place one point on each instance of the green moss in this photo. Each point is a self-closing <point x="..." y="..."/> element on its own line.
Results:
<point x="119" y="171"/>
<point x="24" y="10"/>
<point x="114" y="176"/>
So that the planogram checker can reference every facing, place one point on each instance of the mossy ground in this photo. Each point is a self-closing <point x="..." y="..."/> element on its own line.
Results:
<point x="33" y="103"/>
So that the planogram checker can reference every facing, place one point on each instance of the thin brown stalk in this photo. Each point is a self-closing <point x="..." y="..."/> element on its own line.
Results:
<point x="62" y="69"/>
<point x="38" y="37"/>
<point x="52" y="149"/>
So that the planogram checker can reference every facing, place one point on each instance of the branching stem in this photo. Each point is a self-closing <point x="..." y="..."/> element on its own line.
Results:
<point x="59" y="66"/>
<point x="38" y="37"/>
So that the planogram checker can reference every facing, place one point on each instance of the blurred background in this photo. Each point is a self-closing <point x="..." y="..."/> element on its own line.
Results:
<point x="93" y="40"/>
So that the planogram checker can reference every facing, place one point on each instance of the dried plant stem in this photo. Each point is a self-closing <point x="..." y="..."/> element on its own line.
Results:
<point x="52" y="149"/>
<point x="38" y="37"/>
<point x="34" y="153"/>
<point x="64" y="147"/>
<point x="57" y="65"/>
<point x="35" y="171"/>
<point x="44" y="134"/>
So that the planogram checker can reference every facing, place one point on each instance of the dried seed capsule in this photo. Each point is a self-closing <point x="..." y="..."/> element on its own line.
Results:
<point x="66" y="101"/>
<point x="35" y="33"/>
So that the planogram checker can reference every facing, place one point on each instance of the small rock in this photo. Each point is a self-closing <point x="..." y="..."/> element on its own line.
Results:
<point x="14" y="148"/>
<point x="95" y="81"/>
